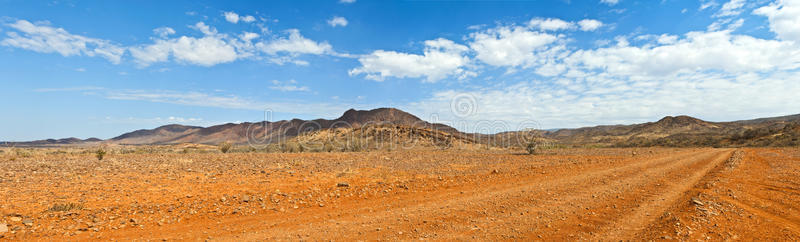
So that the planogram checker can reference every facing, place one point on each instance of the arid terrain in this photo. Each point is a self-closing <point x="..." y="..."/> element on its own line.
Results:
<point x="167" y="193"/>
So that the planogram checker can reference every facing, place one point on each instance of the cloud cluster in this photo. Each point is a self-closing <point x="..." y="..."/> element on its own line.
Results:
<point x="502" y="46"/>
<point x="441" y="58"/>
<point x="784" y="18"/>
<point x="554" y="24"/>
<point x="44" y="38"/>
<point x="208" y="49"/>
<point x="235" y="18"/>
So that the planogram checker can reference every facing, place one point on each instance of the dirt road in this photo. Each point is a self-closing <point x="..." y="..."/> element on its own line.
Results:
<point x="573" y="194"/>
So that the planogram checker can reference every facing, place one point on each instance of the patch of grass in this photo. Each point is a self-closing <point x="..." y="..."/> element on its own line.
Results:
<point x="59" y="207"/>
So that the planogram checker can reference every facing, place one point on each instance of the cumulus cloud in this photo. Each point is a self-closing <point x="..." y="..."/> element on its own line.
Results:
<point x="247" y="19"/>
<point x="579" y="102"/>
<point x="784" y="18"/>
<point x="211" y="49"/>
<point x="294" y="44"/>
<point x="509" y="46"/>
<point x="235" y="18"/>
<point x="337" y="21"/>
<point x="697" y="51"/>
<point x="590" y="24"/>
<point x="441" y="58"/>
<point x="550" y="24"/>
<point x="43" y="38"/>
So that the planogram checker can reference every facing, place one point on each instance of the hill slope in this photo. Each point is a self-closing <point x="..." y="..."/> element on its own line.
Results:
<point x="272" y="132"/>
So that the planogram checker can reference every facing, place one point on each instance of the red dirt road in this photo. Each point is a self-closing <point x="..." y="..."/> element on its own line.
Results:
<point x="570" y="194"/>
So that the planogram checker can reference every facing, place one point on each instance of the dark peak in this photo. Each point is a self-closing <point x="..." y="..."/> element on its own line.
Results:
<point x="682" y="119"/>
<point x="391" y="115"/>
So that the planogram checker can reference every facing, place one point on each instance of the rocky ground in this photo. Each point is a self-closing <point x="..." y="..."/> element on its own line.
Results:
<point x="587" y="194"/>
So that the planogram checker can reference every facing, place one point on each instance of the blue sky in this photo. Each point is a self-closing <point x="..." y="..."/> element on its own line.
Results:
<point x="101" y="68"/>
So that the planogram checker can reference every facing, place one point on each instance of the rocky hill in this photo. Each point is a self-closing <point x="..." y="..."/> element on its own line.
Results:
<point x="684" y="131"/>
<point x="272" y="132"/>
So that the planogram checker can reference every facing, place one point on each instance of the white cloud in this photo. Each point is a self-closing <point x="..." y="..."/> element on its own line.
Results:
<point x="286" y="50"/>
<point x="295" y="44"/>
<point x="698" y="51"/>
<point x="579" y="102"/>
<point x="550" y="24"/>
<point x="784" y="18"/>
<point x="290" y="86"/>
<point x="211" y="49"/>
<point x="163" y="32"/>
<point x="704" y="4"/>
<point x="46" y="39"/>
<point x="337" y="21"/>
<point x="731" y="8"/>
<point x="347" y="1"/>
<point x="441" y="58"/>
<point x="231" y="17"/>
<point x="509" y="46"/>
<point x="248" y="19"/>
<point x="590" y="24"/>
<point x="610" y="2"/>
<point x="234" y="17"/>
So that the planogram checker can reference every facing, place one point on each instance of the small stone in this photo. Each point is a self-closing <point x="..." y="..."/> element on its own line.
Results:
<point x="3" y="228"/>
<point x="223" y="199"/>
<point x="27" y="222"/>
<point x="246" y="198"/>
<point x="495" y="171"/>
<point x="697" y="201"/>
<point x="15" y="219"/>
<point x="343" y="184"/>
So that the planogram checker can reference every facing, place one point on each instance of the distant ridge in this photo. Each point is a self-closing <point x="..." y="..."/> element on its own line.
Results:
<point x="668" y="131"/>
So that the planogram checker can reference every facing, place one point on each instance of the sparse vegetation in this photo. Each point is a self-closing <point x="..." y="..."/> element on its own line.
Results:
<point x="63" y="207"/>
<point x="531" y="147"/>
<point x="225" y="147"/>
<point x="100" y="153"/>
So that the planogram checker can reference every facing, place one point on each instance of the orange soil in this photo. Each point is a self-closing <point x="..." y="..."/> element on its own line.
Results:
<point x="586" y="194"/>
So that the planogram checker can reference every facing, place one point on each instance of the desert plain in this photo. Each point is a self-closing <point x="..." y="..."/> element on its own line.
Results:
<point x="170" y="193"/>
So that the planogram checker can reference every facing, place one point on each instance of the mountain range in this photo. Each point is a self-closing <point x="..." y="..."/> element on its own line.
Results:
<point x="678" y="131"/>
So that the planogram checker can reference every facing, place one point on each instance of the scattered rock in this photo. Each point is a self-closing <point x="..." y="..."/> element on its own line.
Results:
<point x="223" y="199"/>
<point x="343" y="184"/>
<point x="27" y="222"/>
<point x="15" y="219"/>
<point x="3" y="229"/>
<point x="246" y="198"/>
<point x="697" y="201"/>
<point x="495" y="171"/>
